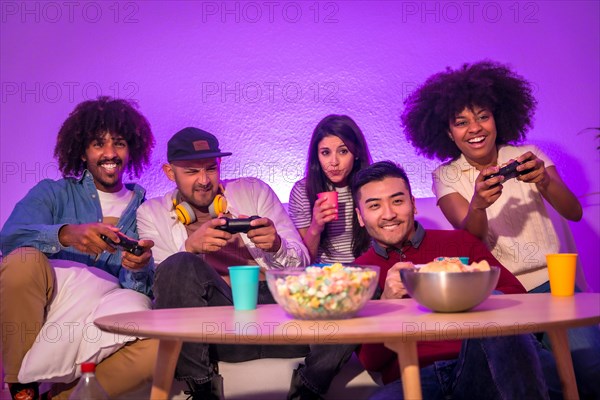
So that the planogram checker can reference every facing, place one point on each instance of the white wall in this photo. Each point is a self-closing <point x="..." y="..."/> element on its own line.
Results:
<point x="260" y="75"/>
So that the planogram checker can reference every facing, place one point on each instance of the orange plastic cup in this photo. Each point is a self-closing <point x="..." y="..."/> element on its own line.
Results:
<point x="561" y="271"/>
<point x="332" y="198"/>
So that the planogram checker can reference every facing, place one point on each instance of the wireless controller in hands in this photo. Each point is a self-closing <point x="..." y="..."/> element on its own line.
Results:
<point x="125" y="243"/>
<point x="240" y="225"/>
<point x="508" y="171"/>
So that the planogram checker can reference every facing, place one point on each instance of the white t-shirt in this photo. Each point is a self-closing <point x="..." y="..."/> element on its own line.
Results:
<point x="520" y="232"/>
<point x="114" y="204"/>
<point x="339" y="231"/>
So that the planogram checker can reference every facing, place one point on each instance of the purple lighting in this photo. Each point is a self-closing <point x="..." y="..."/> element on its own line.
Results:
<point x="260" y="75"/>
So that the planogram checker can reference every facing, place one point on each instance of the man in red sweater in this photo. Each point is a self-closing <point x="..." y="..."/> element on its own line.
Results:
<point x="503" y="367"/>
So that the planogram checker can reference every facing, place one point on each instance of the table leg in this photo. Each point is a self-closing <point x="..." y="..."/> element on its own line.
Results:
<point x="409" y="367"/>
<point x="564" y="363"/>
<point x="1" y="372"/>
<point x="164" y="370"/>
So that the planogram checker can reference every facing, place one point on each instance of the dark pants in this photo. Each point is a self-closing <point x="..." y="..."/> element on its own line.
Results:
<point x="510" y="367"/>
<point x="186" y="280"/>
<point x="325" y="361"/>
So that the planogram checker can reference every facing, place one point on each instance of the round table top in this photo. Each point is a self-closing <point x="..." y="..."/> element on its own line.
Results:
<point x="378" y="321"/>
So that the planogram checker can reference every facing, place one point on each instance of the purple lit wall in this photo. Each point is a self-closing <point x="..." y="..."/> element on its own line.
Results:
<point x="260" y="75"/>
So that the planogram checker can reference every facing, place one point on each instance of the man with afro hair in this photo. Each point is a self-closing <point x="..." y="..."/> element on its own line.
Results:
<point x="60" y="228"/>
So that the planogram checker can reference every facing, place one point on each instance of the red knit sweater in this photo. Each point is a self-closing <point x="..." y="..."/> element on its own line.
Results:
<point x="436" y="243"/>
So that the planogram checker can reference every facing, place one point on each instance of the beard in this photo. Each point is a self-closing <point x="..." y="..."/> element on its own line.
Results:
<point x="201" y="197"/>
<point x="108" y="179"/>
<point x="109" y="184"/>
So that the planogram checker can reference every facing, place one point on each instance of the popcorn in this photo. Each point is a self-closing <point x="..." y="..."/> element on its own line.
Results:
<point x="333" y="291"/>
<point x="453" y="264"/>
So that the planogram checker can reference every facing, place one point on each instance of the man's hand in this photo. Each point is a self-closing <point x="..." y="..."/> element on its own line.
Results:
<point x="264" y="235"/>
<point x="207" y="239"/>
<point x="394" y="288"/>
<point x="86" y="237"/>
<point x="133" y="262"/>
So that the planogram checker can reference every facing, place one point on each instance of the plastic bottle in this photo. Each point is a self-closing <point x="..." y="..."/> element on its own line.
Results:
<point x="88" y="387"/>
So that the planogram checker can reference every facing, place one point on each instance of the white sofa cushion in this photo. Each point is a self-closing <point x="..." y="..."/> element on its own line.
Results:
<point x="68" y="336"/>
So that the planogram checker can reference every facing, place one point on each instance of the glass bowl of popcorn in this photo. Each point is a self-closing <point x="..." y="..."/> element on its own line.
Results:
<point x="335" y="291"/>
<point x="447" y="285"/>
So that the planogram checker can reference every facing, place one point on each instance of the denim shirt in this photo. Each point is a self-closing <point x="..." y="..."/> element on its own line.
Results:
<point x="50" y="205"/>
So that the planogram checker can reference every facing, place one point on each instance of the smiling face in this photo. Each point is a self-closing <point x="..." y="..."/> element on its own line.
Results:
<point x="474" y="132"/>
<point x="336" y="160"/>
<point x="197" y="180"/>
<point x="106" y="159"/>
<point x="387" y="210"/>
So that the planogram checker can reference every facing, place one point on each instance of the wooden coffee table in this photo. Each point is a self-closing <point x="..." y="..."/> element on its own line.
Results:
<point x="397" y="323"/>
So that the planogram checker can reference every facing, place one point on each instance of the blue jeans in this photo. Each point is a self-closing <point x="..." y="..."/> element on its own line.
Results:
<point x="584" y="343"/>
<point x="185" y="280"/>
<point x="492" y="368"/>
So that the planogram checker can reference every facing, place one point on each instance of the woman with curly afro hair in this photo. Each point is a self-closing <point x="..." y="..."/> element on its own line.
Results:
<point x="475" y="118"/>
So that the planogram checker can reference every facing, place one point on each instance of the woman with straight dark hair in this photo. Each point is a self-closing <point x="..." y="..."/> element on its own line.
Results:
<point x="337" y="150"/>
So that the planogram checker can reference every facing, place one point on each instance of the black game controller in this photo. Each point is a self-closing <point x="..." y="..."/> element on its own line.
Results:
<point x="240" y="225"/>
<point x="508" y="171"/>
<point x="126" y="244"/>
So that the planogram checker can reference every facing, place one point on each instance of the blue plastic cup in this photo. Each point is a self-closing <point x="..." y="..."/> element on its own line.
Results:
<point x="244" y="286"/>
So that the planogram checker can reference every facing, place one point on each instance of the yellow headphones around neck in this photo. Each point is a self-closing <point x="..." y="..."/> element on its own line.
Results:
<point x="185" y="212"/>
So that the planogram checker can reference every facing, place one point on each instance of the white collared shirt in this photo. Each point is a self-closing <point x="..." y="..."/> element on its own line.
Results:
<point x="157" y="221"/>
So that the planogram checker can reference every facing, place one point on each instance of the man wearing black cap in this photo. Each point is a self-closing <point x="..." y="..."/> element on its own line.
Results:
<point x="193" y="255"/>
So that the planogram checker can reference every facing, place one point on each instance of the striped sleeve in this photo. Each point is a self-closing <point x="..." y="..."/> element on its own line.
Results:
<point x="299" y="206"/>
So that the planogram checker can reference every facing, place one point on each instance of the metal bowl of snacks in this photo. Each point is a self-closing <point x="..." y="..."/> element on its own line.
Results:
<point x="449" y="286"/>
<point x="336" y="291"/>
